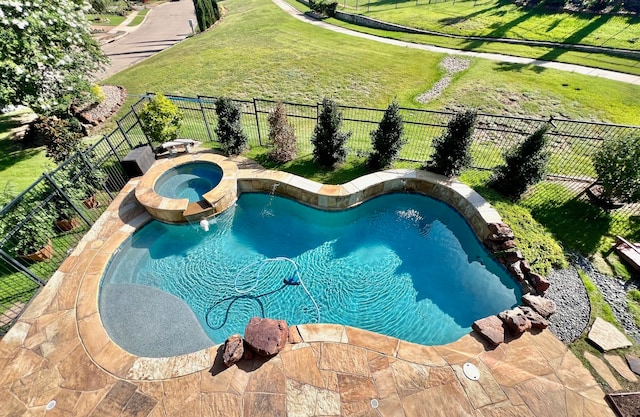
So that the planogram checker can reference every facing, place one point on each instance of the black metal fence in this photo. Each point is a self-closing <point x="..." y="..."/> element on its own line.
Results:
<point x="55" y="212"/>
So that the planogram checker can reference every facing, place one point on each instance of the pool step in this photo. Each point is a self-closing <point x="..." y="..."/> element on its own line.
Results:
<point x="196" y="211"/>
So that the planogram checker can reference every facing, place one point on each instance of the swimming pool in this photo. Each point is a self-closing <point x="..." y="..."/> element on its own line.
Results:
<point x="191" y="181"/>
<point x="404" y="265"/>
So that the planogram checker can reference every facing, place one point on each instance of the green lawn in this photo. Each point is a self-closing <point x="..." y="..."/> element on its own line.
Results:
<point x="19" y="167"/>
<point x="597" y="60"/>
<point x="139" y="17"/>
<point x="260" y="51"/>
<point x="105" y="19"/>
<point x="504" y="19"/>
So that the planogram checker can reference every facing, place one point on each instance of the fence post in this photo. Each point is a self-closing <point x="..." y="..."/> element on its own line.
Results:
<point x="124" y="134"/>
<point x="106" y="139"/>
<point x="68" y="200"/>
<point x="255" y="110"/>
<point x="140" y="123"/>
<point x="21" y="268"/>
<point x="204" y="117"/>
<point x="88" y="163"/>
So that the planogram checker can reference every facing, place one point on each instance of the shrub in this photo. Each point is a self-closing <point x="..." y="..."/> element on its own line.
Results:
<point x="618" y="170"/>
<point x="525" y="165"/>
<point x="328" y="141"/>
<point x="281" y="135"/>
<point x="229" y="129"/>
<point x="324" y="8"/>
<point x="97" y="94"/>
<point x="160" y="119"/>
<point x="61" y="137"/>
<point x="37" y="229"/>
<point x="388" y="138"/>
<point x="452" y="150"/>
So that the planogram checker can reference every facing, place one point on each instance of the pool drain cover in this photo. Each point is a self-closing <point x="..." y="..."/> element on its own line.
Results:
<point x="374" y="403"/>
<point x="50" y="405"/>
<point x="471" y="371"/>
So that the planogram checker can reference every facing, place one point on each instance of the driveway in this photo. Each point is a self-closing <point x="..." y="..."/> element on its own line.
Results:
<point x="164" y="26"/>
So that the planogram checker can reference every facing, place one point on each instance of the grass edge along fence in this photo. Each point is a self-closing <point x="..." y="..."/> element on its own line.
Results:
<point x="571" y="172"/>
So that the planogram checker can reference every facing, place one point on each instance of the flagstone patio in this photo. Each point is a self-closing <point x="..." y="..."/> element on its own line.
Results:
<point x="58" y="350"/>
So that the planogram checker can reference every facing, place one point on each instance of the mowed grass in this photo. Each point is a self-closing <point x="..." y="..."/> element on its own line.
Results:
<point x="612" y="62"/>
<point x="139" y="17"/>
<point x="105" y="19"/>
<point x="260" y="51"/>
<point x="504" y="19"/>
<point x="19" y="167"/>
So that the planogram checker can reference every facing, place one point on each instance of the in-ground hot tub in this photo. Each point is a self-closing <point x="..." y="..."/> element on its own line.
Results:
<point x="191" y="181"/>
<point x="188" y="188"/>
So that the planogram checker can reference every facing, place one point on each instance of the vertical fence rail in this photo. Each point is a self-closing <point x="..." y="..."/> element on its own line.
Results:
<point x="41" y="225"/>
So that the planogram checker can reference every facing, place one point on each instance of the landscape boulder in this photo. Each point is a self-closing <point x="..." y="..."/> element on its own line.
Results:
<point x="515" y="320"/>
<point x="538" y="282"/>
<point x="266" y="337"/>
<point x="491" y="329"/>
<point x="543" y="306"/>
<point x="537" y="321"/>
<point x="233" y="350"/>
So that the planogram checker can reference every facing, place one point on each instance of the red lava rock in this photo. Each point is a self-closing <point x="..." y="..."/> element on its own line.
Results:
<point x="509" y="244"/>
<point x="491" y="329"/>
<point x="539" y="282"/>
<point x="233" y="350"/>
<point x="537" y="321"/>
<point x="515" y="320"/>
<point x="542" y="306"/>
<point x="500" y="232"/>
<point x="266" y="337"/>
<point x="516" y="271"/>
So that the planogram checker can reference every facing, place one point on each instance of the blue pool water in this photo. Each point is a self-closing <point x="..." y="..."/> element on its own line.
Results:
<point x="190" y="180"/>
<point x="403" y="265"/>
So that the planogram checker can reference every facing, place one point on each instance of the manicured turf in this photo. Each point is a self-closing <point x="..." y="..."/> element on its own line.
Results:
<point x="505" y="19"/>
<point x="139" y="17"/>
<point x="19" y="167"/>
<point x="612" y="62"/>
<point x="105" y="19"/>
<point x="260" y="51"/>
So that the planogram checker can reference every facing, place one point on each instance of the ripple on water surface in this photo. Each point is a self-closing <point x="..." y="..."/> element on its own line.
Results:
<point x="402" y="265"/>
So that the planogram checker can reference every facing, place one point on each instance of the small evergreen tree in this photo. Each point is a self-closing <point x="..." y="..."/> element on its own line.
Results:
<point x="229" y="129"/>
<point x="328" y="141"/>
<point x="281" y="135"/>
<point x="525" y="165"/>
<point x="452" y="150"/>
<point x="617" y="166"/>
<point x="207" y="13"/>
<point x="388" y="138"/>
<point x="160" y="119"/>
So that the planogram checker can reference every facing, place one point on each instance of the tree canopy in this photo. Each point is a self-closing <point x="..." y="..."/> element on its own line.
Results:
<point x="47" y="54"/>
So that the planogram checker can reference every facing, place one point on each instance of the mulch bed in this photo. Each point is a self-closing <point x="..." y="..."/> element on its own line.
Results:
<point x="96" y="113"/>
<point x="626" y="404"/>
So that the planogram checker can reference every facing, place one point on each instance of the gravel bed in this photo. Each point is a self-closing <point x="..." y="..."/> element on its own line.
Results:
<point x="570" y="295"/>
<point x="451" y="65"/>
<point x="614" y="291"/>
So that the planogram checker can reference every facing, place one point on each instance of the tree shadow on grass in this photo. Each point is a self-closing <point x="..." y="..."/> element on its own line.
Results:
<point x="11" y="147"/>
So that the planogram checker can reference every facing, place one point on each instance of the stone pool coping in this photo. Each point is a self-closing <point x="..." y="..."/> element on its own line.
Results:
<point x="59" y="349"/>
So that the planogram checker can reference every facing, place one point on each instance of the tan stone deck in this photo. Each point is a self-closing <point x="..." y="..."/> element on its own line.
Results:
<point x="59" y="350"/>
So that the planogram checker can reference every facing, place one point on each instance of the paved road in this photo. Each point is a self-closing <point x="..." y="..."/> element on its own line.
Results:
<point x="595" y="72"/>
<point x="164" y="26"/>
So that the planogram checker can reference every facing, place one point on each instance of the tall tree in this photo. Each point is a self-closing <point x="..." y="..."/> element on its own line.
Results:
<point x="47" y="54"/>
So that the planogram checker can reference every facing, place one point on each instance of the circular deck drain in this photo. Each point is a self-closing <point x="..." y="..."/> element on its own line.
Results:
<point x="50" y="405"/>
<point x="471" y="371"/>
<point x="374" y="403"/>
